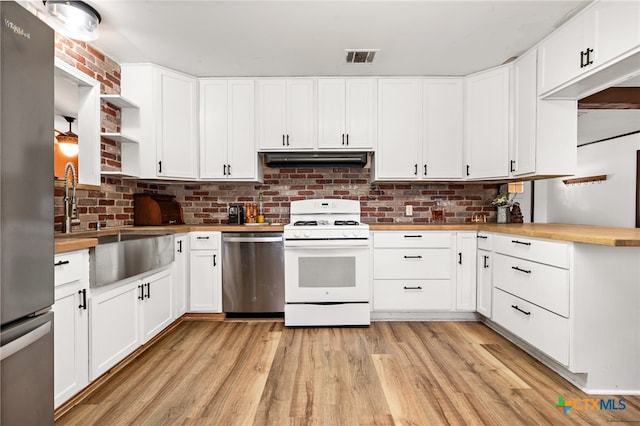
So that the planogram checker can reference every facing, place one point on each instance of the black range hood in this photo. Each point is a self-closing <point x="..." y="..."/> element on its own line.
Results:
<point x="315" y="159"/>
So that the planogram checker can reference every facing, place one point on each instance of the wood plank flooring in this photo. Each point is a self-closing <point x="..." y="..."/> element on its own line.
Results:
<point x="392" y="373"/>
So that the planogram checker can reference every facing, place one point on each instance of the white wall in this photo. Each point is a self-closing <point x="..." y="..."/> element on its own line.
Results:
<point x="611" y="203"/>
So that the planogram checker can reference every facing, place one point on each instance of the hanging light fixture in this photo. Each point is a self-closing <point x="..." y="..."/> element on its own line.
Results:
<point x="73" y="19"/>
<point x="68" y="141"/>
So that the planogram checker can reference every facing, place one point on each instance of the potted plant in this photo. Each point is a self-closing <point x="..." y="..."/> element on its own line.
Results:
<point x="502" y="202"/>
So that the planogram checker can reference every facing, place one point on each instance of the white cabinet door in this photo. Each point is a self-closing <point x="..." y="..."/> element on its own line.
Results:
<point x="603" y="32"/>
<point x="331" y="114"/>
<point x="484" y="283"/>
<point x="156" y="312"/>
<point x="227" y="138"/>
<point x="114" y="330"/>
<point x="181" y="282"/>
<point x="525" y="100"/>
<point x="206" y="281"/>
<point x="442" y="128"/>
<point x="346" y="113"/>
<point x="466" y="271"/>
<point x="177" y="142"/>
<point x="487" y="124"/>
<point x="272" y="114"/>
<point x="617" y="29"/>
<point x="71" y="343"/>
<point x="300" y="114"/>
<point x="399" y="129"/>
<point x="361" y="111"/>
<point x="242" y="153"/>
<point x="213" y="129"/>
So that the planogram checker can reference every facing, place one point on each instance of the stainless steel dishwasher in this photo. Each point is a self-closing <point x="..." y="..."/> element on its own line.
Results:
<point x="252" y="272"/>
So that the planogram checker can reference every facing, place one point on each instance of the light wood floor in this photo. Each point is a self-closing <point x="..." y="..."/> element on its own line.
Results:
<point x="404" y="373"/>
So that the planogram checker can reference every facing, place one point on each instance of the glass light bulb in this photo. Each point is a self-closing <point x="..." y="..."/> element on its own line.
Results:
<point x="69" y="149"/>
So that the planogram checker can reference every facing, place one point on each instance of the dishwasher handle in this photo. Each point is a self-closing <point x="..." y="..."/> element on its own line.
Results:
<point x="252" y="239"/>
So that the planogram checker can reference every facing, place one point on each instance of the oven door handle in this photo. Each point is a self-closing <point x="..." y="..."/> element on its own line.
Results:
<point x="326" y="247"/>
<point x="252" y="239"/>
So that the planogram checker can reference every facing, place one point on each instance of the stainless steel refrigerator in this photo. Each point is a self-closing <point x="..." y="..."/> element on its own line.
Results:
<point x="26" y="218"/>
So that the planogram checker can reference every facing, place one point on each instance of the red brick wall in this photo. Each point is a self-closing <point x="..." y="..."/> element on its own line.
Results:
<point x="380" y="203"/>
<point x="112" y="205"/>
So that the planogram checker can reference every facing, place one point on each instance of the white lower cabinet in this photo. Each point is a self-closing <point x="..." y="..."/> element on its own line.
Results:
<point x="413" y="271"/>
<point x="484" y="285"/>
<point x="115" y="330"/>
<point x="125" y="316"/>
<point x="156" y="312"/>
<point x="71" y="325"/>
<point x="205" y="272"/>
<point x="181" y="282"/>
<point x="466" y="271"/>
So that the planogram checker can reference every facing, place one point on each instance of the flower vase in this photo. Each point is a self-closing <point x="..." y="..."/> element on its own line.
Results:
<point x="503" y="214"/>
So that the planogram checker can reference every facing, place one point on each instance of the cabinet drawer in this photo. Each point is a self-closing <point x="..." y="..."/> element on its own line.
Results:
<point x="390" y="239"/>
<point x="545" y="330"/>
<point x="69" y="267"/>
<point x="411" y="295"/>
<point x="396" y="264"/>
<point x="544" y="285"/>
<point x="548" y="252"/>
<point x="484" y="240"/>
<point x="204" y="240"/>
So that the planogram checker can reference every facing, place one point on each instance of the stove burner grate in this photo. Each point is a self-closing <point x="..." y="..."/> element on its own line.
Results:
<point x="345" y="222"/>
<point x="306" y="223"/>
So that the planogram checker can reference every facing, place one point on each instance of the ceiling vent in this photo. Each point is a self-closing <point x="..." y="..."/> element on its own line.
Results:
<point x="361" y="56"/>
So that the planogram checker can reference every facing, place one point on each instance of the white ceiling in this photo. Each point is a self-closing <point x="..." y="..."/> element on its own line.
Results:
<point x="308" y="38"/>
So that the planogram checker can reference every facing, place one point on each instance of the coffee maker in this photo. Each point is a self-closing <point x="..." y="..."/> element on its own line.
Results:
<point x="236" y="214"/>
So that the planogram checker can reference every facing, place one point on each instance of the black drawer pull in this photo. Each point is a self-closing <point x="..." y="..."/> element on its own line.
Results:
<point x="141" y="288"/>
<point x="524" y="243"/>
<point x="413" y="236"/>
<point x="459" y="258"/>
<point x="484" y="262"/>
<point x="412" y="288"/>
<point x="148" y="290"/>
<point x="61" y="262"/>
<point x="214" y="260"/>
<point x="515" y="268"/>
<point x="202" y="238"/>
<point x="180" y="246"/>
<point x="484" y="237"/>
<point x="520" y="310"/>
<point x="413" y="257"/>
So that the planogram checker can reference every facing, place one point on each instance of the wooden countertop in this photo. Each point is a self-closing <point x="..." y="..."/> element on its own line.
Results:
<point x="601" y="235"/>
<point x="64" y="245"/>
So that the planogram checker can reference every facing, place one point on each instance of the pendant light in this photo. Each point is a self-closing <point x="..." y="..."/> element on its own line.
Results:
<point x="73" y="19"/>
<point x="68" y="141"/>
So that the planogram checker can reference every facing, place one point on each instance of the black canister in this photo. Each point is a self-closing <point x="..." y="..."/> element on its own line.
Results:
<point x="236" y="214"/>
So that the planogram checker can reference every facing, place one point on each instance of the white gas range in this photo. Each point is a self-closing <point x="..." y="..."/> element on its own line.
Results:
<point x="327" y="262"/>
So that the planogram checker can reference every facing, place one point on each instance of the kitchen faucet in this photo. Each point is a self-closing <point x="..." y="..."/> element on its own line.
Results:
<point x="70" y="204"/>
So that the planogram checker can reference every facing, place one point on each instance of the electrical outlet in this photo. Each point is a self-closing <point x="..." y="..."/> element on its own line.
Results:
<point x="408" y="210"/>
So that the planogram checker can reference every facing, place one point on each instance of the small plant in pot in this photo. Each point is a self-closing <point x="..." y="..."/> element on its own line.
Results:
<point x="502" y="202"/>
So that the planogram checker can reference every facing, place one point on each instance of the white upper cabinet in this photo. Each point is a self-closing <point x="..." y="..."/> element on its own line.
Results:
<point x="545" y="131"/>
<point x="227" y="137"/>
<point x="286" y="114"/>
<point x="165" y="125"/>
<point x="399" y="129"/>
<point x="346" y="113"/>
<point x="487" y="127"/>
<point x="601" y="35"/>
<point x="442" y="128"/>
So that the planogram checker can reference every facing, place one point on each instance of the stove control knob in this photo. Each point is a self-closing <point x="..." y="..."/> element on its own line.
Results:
<point x="307" y="234"/>
<point x="345" y="234"/>
<point x="296" y="234"/>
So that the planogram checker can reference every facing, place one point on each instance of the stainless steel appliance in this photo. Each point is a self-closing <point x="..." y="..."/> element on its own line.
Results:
<point x="327" y="259"/>
<point x="252" y="272"/>
<point x="26" y="218"/>
<point x="236" y="214"/>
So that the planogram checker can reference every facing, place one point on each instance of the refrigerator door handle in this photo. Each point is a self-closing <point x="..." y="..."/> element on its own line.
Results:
<point x="24" y="341"/>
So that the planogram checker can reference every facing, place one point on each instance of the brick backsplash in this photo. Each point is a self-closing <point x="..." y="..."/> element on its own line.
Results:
<point x="206" y="203"/>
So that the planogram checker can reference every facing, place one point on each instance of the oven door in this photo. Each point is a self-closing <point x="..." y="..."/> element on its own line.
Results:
<point x="327" y="273"/>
